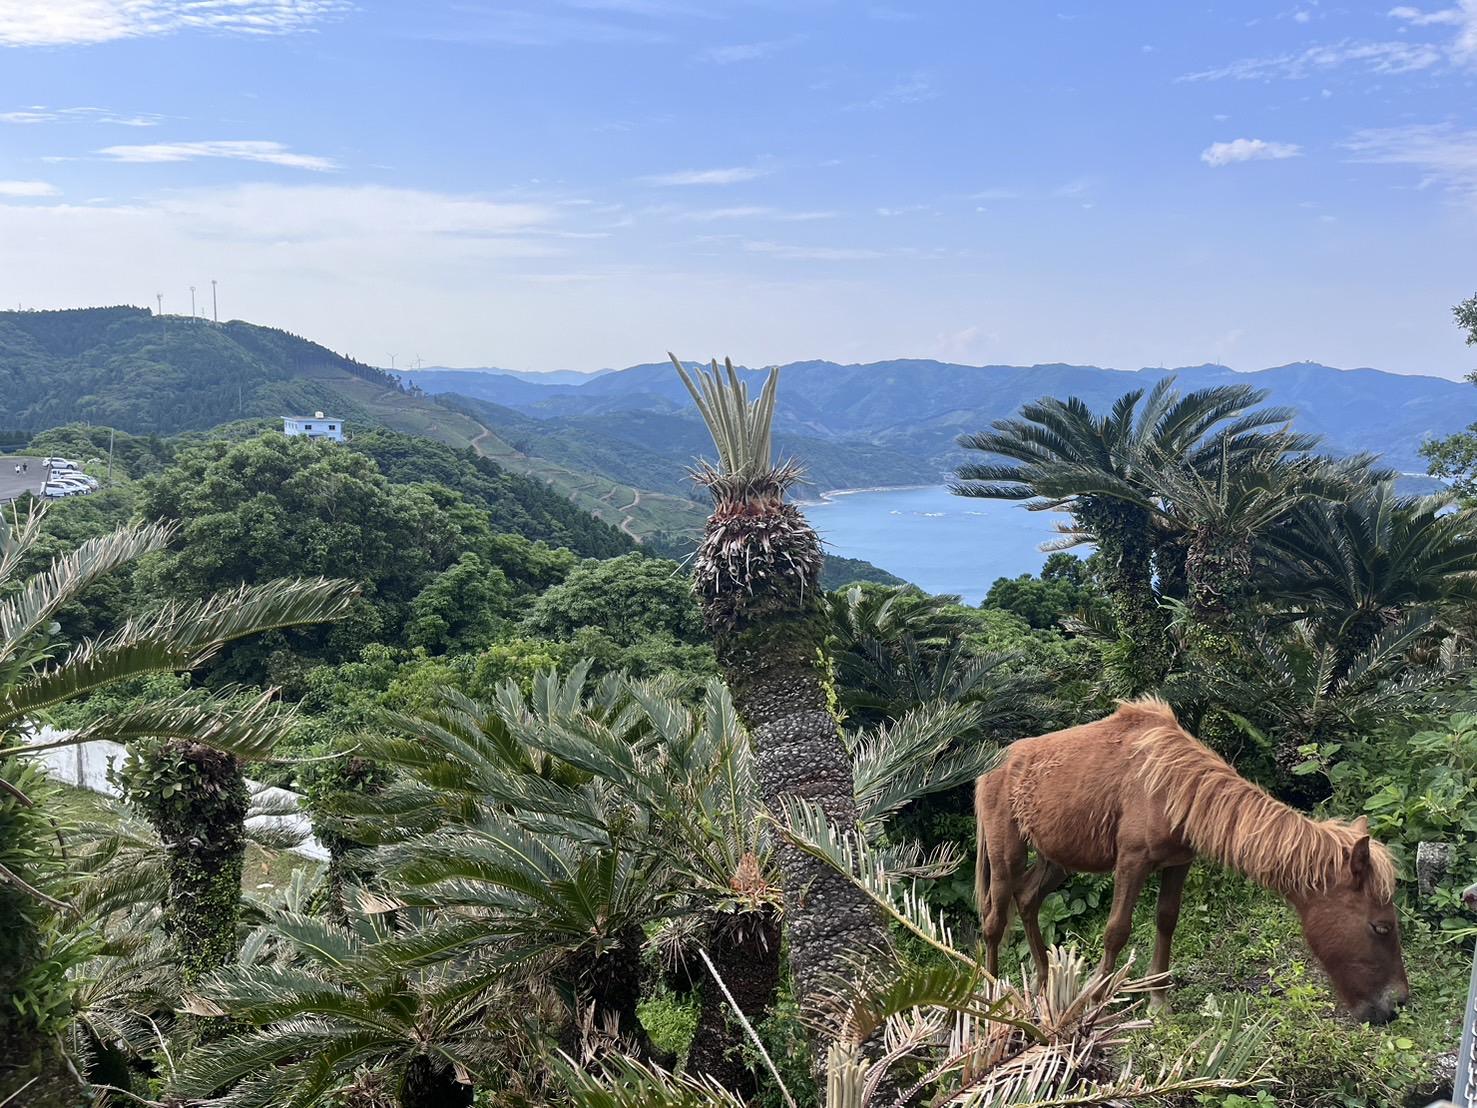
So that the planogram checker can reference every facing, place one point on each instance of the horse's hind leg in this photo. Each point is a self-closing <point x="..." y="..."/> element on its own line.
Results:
<point x="1007" y="867"/>
<point x="1041" y="881"/>
<point x="1171" y="891"/>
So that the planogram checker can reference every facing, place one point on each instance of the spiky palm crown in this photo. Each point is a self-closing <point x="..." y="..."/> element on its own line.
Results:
<point x="759" y="556"/>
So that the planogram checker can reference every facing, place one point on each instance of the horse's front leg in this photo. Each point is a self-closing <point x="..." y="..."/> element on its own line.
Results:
<point x="1171" y="892"/>
<point x="1129" y="876"/>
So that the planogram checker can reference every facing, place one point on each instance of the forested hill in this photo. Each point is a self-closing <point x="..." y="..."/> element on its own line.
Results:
<point x="917" y="407"/>
<point x="131" y="369"/>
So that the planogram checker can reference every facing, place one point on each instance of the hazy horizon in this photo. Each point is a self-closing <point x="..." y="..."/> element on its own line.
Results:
<point x="591" y="182"/>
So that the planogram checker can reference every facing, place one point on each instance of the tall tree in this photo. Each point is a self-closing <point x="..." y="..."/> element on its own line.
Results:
<point x="1060" y="455"/>
<point x="757" y="576"/>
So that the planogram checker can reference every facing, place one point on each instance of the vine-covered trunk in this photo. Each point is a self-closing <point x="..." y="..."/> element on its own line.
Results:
<point x="745" y="949"/>
<point x="431" y="1083"/>
<point x="773" y="670"/>
<point x="203" y="825"/>
<point x="1218" y="571"/>
<point x="1126" y="545"/>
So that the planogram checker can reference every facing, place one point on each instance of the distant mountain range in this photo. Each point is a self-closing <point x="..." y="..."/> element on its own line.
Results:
<point x="618" y="442"/>
<point x="913" y="410"/>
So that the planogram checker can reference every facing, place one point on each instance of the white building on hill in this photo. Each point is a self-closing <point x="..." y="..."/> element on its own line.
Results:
<point x="316" y="426"/>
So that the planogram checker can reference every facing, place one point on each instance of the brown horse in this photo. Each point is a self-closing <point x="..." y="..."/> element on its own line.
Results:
<point x="1134" y="793"/>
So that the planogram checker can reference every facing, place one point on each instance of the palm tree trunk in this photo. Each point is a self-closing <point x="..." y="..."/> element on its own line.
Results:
<point x="774" y="672"/>
<point x="1126" y="543"/>
<point x="203" y="825"/>
<point x="745" y="950"/>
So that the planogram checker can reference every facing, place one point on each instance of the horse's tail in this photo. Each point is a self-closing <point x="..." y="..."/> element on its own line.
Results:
<point x="981" y="853"/>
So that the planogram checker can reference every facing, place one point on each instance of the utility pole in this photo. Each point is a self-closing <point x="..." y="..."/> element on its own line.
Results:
<point x="192" y="301"/>
<point x="392" y="363"/>
<point x="159" y="297"/>
<point x="215" y="310"/>
<point x="111" y="433"/>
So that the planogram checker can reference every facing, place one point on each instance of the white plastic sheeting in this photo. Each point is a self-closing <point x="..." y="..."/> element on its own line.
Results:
<point x="87" y="765"/>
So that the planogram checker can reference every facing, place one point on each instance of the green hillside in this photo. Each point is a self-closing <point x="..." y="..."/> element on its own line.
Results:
<point x="128" y="368"/>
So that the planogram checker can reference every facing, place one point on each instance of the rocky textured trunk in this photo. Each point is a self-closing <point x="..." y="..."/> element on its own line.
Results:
<point x="774" y="673"/>
<point x="745" y="949"/>
<point x="606" y="989"/>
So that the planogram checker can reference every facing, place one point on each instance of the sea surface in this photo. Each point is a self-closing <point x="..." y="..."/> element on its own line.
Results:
<point x="940" y="542"/>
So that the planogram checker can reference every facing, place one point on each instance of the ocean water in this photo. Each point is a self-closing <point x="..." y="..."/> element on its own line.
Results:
<point x="940" y="542"/>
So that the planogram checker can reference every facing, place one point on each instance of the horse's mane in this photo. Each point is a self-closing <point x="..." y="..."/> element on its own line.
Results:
<point x="1236" y="822"/>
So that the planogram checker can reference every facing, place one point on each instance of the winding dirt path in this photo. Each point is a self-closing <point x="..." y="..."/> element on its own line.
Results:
<point x="625" y="523"/>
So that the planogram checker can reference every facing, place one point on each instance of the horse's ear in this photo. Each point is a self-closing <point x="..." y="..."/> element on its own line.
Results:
<point x="1359" y="863"/>
<point x="1360" y="826"/>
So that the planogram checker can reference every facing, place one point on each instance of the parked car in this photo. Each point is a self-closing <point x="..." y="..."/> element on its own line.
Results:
<point x="52" y="490"/>
<point x="59" y="463"/>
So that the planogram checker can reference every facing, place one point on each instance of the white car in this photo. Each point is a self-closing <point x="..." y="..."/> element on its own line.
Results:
<point x="59" y="463"/>
<point x="69" y="482"/>
<point x="52" y="490"/>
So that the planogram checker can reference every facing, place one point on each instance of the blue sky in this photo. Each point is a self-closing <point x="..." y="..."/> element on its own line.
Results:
<point x="570" y="184"/>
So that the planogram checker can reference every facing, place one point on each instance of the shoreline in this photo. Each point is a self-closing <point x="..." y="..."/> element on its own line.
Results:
<point x="831" y="494"/>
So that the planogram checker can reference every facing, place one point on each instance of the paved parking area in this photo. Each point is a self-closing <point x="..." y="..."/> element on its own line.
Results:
<point x="12" y="484"/>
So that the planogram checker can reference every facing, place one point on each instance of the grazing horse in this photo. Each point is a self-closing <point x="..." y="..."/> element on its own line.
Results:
<point x="1134" y="793"/>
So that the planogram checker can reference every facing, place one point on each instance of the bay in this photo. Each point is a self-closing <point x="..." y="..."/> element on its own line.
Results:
<point x="940" y="542"/>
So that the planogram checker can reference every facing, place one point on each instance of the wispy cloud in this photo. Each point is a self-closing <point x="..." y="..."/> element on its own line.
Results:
<point x="1247" y="150"/>
<point x="796" y="253"/>
<point x="1390" y="57"/>
<point x="86" y="22"/>
<point x="40" y="113"/>
<point x="908" y="90"/>
<point x="732" y="175"/>
<point x="1445" y="155"/>
<point x="751" y="211"/>
<point x="272" y="153"/>
<point x="1463" y="17"/>
<point x="996" y="194"/>
<point x="25" y="189"/>
<point x="1374" y="57"/>
<point x="747" y="51"/>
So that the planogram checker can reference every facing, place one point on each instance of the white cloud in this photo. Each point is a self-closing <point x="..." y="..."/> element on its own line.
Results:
<point x="746" y="51"/>
<point x="1247" y="150"/>
<point x="1463" y="17"/>
<point x="273" y="153"/>
<point x="40" y="113"/>
<point x="85" y="22"/>
<point x="996" y="194"/>
<point x="1450" y="16"/>
<point x="28" y="188"/>
<point x="730" y="176"/>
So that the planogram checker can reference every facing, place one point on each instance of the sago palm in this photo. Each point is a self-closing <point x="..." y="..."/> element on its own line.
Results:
<point x="1060" y="455"/>
<point x="345" y="1011"/>
<point x="39" y="671"/>
<point x="1355" y="568"/>
<point x="757" y="577"/>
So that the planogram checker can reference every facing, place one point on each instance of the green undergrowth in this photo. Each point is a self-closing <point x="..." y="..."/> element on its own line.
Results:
<point x="1239" y="944"/>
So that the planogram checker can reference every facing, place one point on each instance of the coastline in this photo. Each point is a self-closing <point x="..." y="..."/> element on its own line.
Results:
<point x="830" y="494"/>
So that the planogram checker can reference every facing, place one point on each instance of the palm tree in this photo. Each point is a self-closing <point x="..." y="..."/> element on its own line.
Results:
<point x="38" y="671"/>
<point x="1354" y="569"/>
<point x="1060" y="455"/>
<point x="345" y="1013"/>
<point x="757" y="577"/>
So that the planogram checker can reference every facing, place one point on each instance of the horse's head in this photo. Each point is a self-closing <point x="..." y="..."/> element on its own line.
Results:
<point x="1352" y="930"/>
